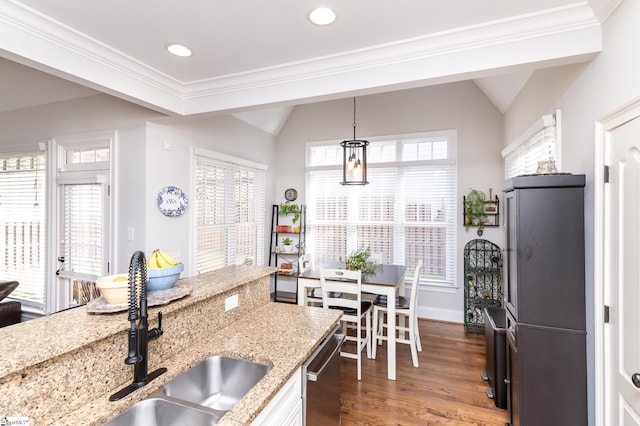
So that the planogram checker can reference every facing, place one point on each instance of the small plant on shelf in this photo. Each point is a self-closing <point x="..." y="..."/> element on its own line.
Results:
<point x="474" y="208"/>
<point x="290" y="208"/>
<point x="287" y="245"/>
<point x="359" y="260"/>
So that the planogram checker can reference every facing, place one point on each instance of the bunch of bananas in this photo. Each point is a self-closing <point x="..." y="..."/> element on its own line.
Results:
<point x="160" y="259"/>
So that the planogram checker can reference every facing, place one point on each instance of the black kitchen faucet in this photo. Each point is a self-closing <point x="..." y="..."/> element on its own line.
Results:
<point x="139" y="334"/>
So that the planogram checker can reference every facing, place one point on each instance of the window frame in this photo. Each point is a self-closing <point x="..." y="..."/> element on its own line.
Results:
<point x="63" y="172"/>
<point x="31" y="304"/>
<point x="449" y="283"/>
<point x="236" y="164"/>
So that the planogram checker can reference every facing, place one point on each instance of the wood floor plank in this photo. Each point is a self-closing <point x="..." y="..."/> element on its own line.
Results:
<point x="446" y="390"/>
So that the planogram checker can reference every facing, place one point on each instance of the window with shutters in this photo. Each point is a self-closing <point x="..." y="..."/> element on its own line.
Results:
<point x="22" y="225"/>
<point x="540" y="143"/>
<point x="229" y="211"/>
<point x="406" y="213"/>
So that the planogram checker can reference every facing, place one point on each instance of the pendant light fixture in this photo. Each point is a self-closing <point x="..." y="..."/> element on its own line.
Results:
<point x="354" y="157"/>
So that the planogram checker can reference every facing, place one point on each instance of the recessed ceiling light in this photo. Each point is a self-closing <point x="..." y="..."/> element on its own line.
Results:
<point x="179" y="49"/>
<point x="322" y="16"/>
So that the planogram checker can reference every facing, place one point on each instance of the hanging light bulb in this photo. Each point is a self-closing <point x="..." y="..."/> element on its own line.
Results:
<point x="354" y="157"/>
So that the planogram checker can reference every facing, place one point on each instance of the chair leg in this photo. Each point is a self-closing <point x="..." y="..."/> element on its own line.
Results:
<point x="380" y="326"/>
<point x="369" y="333"/>
<point x="377" y="330"/>
<point x="374" y="334"/>
<point x="359" y="350"/>
<point x="417" y="328"/>
<point x="413" y="342"/>
<point x="382" y="319"/>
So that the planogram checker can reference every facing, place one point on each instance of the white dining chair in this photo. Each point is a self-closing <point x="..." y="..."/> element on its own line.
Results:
<point x="305" y="263"/>
<point x="349" y="285"/>
<point x="404" y="306"/>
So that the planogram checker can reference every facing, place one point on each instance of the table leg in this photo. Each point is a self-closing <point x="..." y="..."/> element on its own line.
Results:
<point x="402" y="319"/>
<point x="302" y="292"/>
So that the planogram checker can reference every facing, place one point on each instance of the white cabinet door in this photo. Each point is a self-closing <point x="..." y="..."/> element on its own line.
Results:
<point x="285" y="409"/>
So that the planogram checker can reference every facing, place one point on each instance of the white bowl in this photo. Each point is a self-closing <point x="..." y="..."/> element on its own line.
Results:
<point x="114" y="292"/>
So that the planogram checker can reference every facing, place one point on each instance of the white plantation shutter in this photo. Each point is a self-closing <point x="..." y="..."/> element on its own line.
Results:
<point x="82" y="243"/>
<point x="429" y="217"/>
<point x="22" y="225"/>
<point x="229" y="211"/>
<point x="405" y="213"/>
<point x="539" y="143"/>
<point x="327" y="215"/>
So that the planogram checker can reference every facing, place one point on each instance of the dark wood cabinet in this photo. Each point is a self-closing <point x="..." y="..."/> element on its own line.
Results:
<point x="545" y="300"/>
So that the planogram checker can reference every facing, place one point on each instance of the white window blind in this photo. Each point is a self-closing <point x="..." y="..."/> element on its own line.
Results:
<point x="82" y="244"/>
<point x="406" y="213"/>
<point x="539" y="143"/>
<point x="22" y="222"/>
<point x="229" y="212"/>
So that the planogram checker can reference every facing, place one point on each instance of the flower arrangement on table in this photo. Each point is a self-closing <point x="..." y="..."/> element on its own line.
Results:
<point x="359" y="259"/>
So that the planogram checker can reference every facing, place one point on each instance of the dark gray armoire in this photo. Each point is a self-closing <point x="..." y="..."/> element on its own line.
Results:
<point x="544" y="296"/>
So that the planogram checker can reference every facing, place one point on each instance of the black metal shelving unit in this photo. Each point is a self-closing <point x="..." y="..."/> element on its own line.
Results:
<point x="277" y="256"/>
<point x="491" y="209"/>
<point x="482" y="282"/>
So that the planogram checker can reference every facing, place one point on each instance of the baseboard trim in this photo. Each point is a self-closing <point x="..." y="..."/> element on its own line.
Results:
<point x="446" y="315"/>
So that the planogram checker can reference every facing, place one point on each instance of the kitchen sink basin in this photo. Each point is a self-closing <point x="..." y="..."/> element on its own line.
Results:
<point x="199" y="396"/>
<point x="218" y="382"/>
<point x="160" y="412"/>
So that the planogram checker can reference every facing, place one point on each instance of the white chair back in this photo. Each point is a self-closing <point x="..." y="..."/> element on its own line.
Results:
<point x="304" y="263"/>
<point x="336" y="282"/>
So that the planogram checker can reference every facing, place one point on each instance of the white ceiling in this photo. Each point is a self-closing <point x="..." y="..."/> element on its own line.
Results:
<point x="257" y="59"/>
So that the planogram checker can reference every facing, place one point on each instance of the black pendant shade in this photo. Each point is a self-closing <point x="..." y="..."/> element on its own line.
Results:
<point x="354" y="158"/>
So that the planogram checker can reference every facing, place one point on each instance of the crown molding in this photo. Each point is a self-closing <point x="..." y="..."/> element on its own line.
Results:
<point x="540" y="38"/>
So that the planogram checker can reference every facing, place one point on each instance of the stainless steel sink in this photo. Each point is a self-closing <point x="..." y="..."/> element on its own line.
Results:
<point x="199" y="396"/>
<point x="160" y="412"/>
<point x="218" y="382"/>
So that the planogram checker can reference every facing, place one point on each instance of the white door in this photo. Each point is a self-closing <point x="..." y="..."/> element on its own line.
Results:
<point x="82" y="250"/>
<point x="80" y="217"/>
<point x="622" y="276"/>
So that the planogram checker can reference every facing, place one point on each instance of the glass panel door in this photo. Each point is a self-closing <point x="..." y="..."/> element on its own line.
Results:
<point x="83" y="238"/>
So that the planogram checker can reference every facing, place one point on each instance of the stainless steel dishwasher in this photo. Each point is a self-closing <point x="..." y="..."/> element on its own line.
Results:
<point x="321" y="382"/>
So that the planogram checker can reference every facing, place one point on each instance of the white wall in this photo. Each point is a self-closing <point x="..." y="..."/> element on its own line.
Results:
<point x="142" y="164"/>
<point x="223" y="134"/>
<point x="461" y="106"/>
<point x="24" y="128"/>
<point x="585" y="93"/>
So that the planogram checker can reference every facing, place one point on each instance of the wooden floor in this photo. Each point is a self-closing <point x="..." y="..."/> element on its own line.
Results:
<point x="447" y="388"/>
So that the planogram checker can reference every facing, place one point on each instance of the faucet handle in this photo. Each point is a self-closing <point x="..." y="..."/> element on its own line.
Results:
<point x="158" y="331"/>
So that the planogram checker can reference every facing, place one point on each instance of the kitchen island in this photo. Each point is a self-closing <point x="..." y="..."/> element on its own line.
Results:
<point x="62" y="368"/>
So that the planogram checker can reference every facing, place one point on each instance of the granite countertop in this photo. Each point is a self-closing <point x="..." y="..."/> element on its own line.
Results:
<point x="281" y="335"/>
<point x="79" y="355"/>
<point x="71" y="329"/>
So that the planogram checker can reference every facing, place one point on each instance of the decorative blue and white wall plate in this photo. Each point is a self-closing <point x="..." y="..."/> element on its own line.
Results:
<point x="172" y="201"/>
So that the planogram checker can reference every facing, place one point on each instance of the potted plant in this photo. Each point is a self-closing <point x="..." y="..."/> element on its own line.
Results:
<point x="287" y="245"/>
<point x="359" y="260"/>
<point x="289" y="208"/>
<point x="474" y="203"/>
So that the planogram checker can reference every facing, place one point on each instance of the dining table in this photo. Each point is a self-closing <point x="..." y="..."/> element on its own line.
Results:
<point x="386" y="280"/>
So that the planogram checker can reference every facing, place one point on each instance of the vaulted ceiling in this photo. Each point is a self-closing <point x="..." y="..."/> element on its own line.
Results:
<point x="252" y="55"/>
